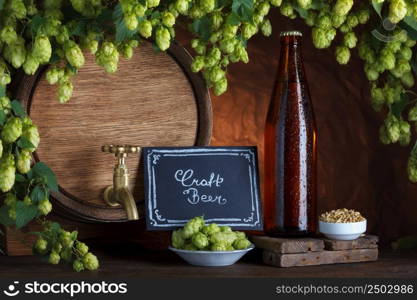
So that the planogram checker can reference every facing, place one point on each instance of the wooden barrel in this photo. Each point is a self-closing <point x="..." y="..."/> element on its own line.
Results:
<point x="153" y="100"/>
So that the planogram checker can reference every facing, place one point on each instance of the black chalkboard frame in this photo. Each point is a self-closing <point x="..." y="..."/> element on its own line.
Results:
<point x="156" y="221"/>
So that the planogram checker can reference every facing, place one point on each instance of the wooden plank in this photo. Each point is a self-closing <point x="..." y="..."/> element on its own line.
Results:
<point x="318" y="258"/>
<point x="364" y="242"/>
<point x="283" y="245"/>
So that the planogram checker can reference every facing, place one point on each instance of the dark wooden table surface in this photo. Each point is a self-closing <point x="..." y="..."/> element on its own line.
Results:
<point x="119" y="262"/>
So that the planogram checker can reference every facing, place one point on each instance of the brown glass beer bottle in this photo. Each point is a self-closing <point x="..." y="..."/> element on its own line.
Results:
<point x="290" y="148"/>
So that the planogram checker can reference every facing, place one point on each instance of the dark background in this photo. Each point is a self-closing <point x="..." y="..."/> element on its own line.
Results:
<point x="355" y="170"/>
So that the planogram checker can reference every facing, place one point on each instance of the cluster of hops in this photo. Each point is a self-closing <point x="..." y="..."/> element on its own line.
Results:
<point x="60" y="245"/>
<point x="328" y="20"/>
<point x="197" y="236"/>
<point x="226" y="41"/>
<point x="14" y="128"/>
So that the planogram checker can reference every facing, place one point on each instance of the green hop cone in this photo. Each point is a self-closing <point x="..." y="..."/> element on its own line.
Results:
<point x="223" y="238"/>
<point x="131" y="21"/>
<point x="15" y="53"/>
<point x="240" y="235"/>
<point x="65" y="89"/>
<point x="408" y="79"/>
<point x="31" y="64"/>
<point x="342" y="7"/>
<point x="342" y="55"/>
<point x="216" y="20"/>
<point x="226" y="229"/>
<point x="387" y="59"/>
<point x="263" y="8"/>
<point x="177" y="239"/>
<point x="219" y="247"/>
<point x="200" y="240"/>
<point x="197" y="64"/>
<point x="383" y="135"/>
<point x="207" y="6"/>
<point x="168" y="19"/>
<point x="378" y="97"/>
<point x="220" y="87"/>
<point x="266" y="28"/>
<point x="44" y="207"/>
<point x="192" y="227"/>
<point x="412" y="114"/>
<point x="240" y="244"/>
<point x="324" y="22"/>
<point x="108" y="57"/>
<point x="41" y="246"/>
<point x="74" y="54"/>
<point x="405" y="133"/>
<point x="12" y="130"/>
<point x="57" y="248"/>
<point x="66" y="254"/>
<point x="397" y="11"/>
<point x="42" y="49"/>
<point x="140" y="10"/>
<point x="230" y="31"/>
<point x="276" y="3"/>
<point x="54" y="74"/>
<point x="18" y="9"/>
<point x="66" y="239"/>
<point x="12" y="213"/>
<point x="350" y="40"/>
<point x="10" y="200"/>
<point x="304" y="3"/>
<point x="23" y="161"/>
<point x="8" y="34"/>
<point x="210" y="229"/>
<point x="31" y="133"/>
<point x="163" y="38"/>
<point x="182" y="6"/>
<point x="78" y="265"/>
<point x="392" y="125"/>
<point x="27" y="200"/>
<point x="337" y="20"/>
<point x="90" y="261"/>
<point x="405" y="53"/>
<point x="371" y="71"/>
<point x="320" y="40"/>
<point x="5" y="105"/>
<point x="363" y="15"/>
<point x="145" y="28"/>
<point x="54" y="258"/>
<point x="412" y="166"/>
<point x="189" y="246"/>
<point x="311" y="18"/>
<point x="248" y="30"/>
<point x="152" y="3"/>
<point x="81" y="248"/>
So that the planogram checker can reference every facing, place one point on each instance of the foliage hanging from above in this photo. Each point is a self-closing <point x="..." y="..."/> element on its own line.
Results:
<point x="55" y="32"/>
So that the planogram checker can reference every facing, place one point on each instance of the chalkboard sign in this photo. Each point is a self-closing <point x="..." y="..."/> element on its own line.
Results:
<point x="219" y="183"/>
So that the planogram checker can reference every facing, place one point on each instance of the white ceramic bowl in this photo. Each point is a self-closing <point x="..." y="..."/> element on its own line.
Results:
<point x="342" y="231"/>
<point x="211" y="258"/>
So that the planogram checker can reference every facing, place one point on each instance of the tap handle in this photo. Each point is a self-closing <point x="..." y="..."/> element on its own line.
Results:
<point x="120" y="150"/>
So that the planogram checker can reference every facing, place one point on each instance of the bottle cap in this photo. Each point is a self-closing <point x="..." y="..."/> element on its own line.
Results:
<point x="291" y="33"/>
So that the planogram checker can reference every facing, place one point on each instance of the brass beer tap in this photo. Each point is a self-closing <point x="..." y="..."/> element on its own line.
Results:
<point x="119" y="193"/>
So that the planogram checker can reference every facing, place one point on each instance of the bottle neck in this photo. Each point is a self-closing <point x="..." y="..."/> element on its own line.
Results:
<point x="291" y="68"/>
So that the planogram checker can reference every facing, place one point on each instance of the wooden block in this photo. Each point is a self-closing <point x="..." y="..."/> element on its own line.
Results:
<point x="364" y="242"/>
<point x="283" y="245"/>
<point x="318" y="258"/>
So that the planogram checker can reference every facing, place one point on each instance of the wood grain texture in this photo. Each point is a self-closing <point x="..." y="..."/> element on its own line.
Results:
<point x="363" y="242"/>
<point x="318" y="258"/>
<point x="133" y="262"/>
<point x="287" y="245"/>
<point x="153" y="100"/>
